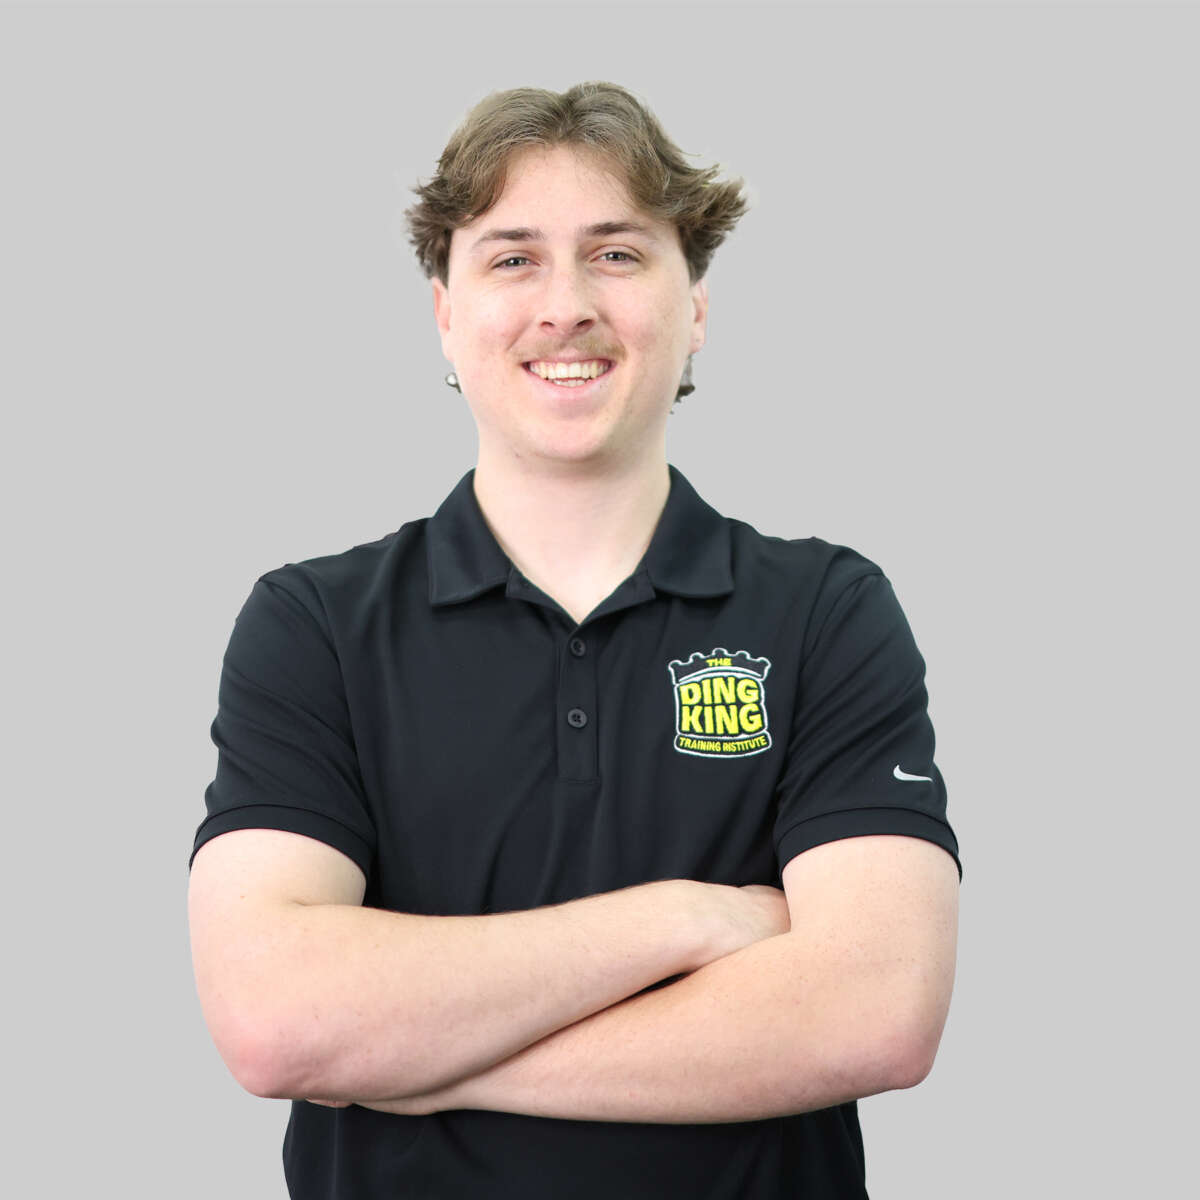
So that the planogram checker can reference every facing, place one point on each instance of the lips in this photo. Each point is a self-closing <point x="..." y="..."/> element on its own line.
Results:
<point x="565" y="382"/>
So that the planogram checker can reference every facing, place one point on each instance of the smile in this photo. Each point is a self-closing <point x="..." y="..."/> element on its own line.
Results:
<point x="569" y="374"/>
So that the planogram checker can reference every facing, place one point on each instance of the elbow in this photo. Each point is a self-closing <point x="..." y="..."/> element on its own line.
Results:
<point x="917" y="1033"/>
<point x="275" y="1064"/>
<point x="912" y="1052"/>
<point x="260" y="1055"/>
<point x="886" y="1053"/>
<point x="912" y="1065"/>
<point x="263" y="1070"/>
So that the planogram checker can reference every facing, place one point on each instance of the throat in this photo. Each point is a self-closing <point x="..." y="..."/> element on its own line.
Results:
<point x="577" y="597"/>
<point x="575" y="538"/>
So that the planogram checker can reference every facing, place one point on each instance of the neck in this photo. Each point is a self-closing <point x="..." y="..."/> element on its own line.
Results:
<point x="574" y="534"/>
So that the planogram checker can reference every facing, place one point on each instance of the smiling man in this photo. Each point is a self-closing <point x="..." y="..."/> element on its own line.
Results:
<point x="576" y="840"/>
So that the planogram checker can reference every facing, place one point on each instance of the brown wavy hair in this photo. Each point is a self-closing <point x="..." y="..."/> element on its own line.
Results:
<point x="601" y="117"/>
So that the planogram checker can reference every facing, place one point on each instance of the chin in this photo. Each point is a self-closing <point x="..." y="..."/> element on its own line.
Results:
<point x="594" y="439"/>
<point x="576" y="454"/>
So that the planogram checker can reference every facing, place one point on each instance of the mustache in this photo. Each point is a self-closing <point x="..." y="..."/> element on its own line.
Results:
<point x="572" y="353"/>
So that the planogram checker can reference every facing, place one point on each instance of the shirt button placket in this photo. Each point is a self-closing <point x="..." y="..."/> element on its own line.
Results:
<point x="578" y="750"/>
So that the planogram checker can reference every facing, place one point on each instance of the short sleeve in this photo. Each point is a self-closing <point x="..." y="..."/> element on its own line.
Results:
<point x="860" y="752"/>
<point x="285" y="749"/>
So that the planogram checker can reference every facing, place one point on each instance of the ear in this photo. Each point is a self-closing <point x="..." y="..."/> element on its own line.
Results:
<point x="441" y="314"/>
<point x="699" y="313"/>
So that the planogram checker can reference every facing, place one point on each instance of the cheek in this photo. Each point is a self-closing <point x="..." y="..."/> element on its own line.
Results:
<point x="495" y="326"/>
<point x="489" y="307"/>
<point x="660" y="318"/>
<point x="478" y="319"/>
<point x="664" y="336"/>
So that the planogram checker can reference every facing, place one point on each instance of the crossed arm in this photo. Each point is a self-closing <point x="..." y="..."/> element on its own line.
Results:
<point x="849" y="1003"/>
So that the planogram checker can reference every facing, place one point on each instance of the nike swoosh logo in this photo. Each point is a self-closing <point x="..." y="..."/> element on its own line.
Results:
<point x="899" y="774"/>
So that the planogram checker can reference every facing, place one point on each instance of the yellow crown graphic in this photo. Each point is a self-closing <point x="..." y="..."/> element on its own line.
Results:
<point x="718" y="660"/>
<point x="720" y="704"/>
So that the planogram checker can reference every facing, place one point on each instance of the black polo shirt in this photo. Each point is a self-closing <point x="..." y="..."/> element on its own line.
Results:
<point x="419" y="705"/>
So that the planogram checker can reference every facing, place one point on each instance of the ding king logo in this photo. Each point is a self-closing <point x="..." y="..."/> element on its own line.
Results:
<point x="720" y="704"/>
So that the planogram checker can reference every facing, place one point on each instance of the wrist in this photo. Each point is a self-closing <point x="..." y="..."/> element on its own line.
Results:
<point x="695" y="918"/>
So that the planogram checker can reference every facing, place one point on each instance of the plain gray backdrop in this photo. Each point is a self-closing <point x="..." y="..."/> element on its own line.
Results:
<point x="956" y="331"/>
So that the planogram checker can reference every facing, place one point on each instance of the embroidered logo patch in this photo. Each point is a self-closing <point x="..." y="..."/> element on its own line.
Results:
<point x="720" y="704"/>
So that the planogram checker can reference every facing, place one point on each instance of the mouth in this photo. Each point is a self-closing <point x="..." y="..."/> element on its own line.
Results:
<point x="576" y="376"/>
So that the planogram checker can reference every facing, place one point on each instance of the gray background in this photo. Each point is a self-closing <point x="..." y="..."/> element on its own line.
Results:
<point x="957" y="331"/>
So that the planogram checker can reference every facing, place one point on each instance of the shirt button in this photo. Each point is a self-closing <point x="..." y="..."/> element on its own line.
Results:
<point x="577" y="718"/>
<point x="578" y="647"/>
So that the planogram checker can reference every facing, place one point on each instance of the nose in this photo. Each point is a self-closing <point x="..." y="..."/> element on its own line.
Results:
<point x="566" y="304"/>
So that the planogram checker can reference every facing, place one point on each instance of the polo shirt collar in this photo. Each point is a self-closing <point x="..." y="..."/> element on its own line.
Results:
<point x="465" y="560"/>
<point x="689" y="554"/>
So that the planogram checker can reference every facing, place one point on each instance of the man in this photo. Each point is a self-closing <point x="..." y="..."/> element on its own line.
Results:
<point x="489" y="881"/>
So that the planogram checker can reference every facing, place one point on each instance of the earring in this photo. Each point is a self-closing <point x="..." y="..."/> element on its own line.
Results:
<point x="452" y="381"/>
<point x="686" y="386"/>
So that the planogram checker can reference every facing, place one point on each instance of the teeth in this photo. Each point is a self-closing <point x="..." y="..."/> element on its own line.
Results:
<point x="575" y="370"/>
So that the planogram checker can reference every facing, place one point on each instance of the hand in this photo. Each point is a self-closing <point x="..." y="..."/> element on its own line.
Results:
<point x="743" y="915"/>
<point x="410" y="1106"/>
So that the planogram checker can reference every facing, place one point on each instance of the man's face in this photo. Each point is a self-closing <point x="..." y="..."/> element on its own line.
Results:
<point x="535" y="280"/>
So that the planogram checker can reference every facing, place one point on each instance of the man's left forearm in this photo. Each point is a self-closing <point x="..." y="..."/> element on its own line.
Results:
<point x="773" y="1029"/>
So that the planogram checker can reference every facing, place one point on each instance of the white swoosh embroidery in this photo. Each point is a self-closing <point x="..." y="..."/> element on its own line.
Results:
<point x="899" y="774"/>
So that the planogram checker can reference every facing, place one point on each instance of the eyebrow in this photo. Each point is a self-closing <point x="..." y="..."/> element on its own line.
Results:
<point x="524" y="234"/>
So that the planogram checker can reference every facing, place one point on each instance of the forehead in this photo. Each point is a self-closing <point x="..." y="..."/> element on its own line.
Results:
<point x="549" y="192"/>
<point x="531" y="171"/>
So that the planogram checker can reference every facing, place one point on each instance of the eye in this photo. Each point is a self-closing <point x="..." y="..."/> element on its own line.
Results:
<point x="622" y="257"/>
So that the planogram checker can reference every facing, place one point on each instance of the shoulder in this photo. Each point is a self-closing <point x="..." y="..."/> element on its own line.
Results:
<point x="342" y="589"/>
<point x="814" y="573"/>
<point x="329" y="585"/>
<point x="811" y="560"/>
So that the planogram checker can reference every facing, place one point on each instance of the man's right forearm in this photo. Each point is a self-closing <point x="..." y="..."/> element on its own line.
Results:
<point x="361" y="1003"/>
